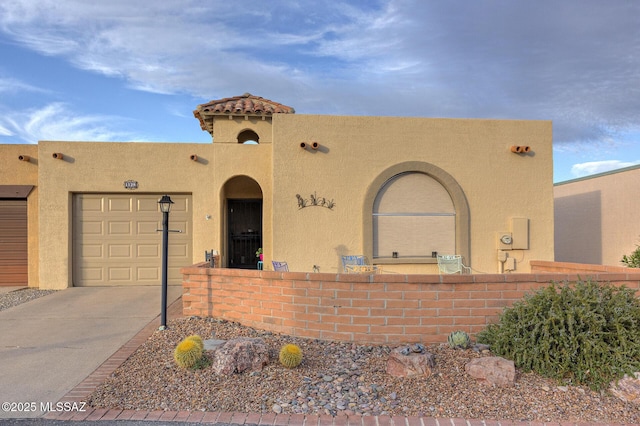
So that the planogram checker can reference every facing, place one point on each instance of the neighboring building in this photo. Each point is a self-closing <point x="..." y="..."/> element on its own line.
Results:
<point x="397" y="190"/>
<point x="597" y="218"/>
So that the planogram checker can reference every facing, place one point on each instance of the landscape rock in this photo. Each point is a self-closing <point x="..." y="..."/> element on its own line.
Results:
<point x="413" y="364"/>
<point x="627" y="388"/>
<point x="479" y="347"/>
<point x="240" y="355"/>
<point x="492" y="370"/>
<point x="213" y="344"/>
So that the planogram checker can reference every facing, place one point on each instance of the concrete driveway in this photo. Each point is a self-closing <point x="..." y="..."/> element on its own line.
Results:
<point x="49" y="345"/>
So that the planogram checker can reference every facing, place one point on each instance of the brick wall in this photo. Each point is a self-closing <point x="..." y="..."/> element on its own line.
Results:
<point x="386" y="308"/>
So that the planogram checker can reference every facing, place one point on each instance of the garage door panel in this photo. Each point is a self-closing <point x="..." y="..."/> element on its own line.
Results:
<point x="148" y="250"/>
<point x="180" y="205"/>
<point x="91" y="227"/>
<point x="119" y="274"/>
<point x="122" y="245"/>
<point x="14" y="233"/>
<point x="91" y="205"/>
<point x="178" y="250"/>
<point x="13" y="258"/>
<point x="13" y="242"/>
<point x="120" y="228"/>
<point x="120" y="250"/>
<point x="174" y="275"/>
<point x="147" y="205"/>
<point x="148" y="228"/>
<point x="91" y="275"/>
<point x="90" y="250"/>
<point x="179" y="225"/>
<point x="148" y="274"/>
<point x="120" y="204"/>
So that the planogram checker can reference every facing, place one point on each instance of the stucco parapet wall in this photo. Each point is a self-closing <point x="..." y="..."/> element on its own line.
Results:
<point x="580" y="268"/>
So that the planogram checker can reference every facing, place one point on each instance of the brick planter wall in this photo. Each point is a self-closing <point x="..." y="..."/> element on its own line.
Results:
<point x="378" y="309"/>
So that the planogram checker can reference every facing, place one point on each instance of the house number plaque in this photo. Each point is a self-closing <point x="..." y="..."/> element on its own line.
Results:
<point x="131" y="184"/>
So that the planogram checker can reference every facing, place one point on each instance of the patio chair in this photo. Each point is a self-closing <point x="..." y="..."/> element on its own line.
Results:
<point x="352" y="260"/>
<point x="357" y="264"/>
<point x="280" y="266"/>
<point x="452" y="264"/>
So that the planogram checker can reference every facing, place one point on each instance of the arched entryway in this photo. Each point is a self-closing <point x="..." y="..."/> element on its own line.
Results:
<point x="242" y="201"/>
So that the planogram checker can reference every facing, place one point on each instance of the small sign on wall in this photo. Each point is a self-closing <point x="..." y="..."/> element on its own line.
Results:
<point x="131" y="184"/>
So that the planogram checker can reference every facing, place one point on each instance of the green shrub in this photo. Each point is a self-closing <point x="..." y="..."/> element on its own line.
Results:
<point x="633" y="260"/>
<point x="587" y="333"/>
<point x="290" y="356"/>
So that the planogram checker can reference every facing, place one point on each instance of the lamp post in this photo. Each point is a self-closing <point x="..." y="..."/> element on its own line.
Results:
<point x="165" y="207"/>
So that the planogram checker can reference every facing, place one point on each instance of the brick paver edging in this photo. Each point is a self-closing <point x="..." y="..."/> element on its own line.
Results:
<point x="80" y="393"/>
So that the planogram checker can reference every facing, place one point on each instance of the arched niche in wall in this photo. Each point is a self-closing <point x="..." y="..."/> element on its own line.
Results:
<point x="433" y="177"/>
<point x="413" y="217"/>
<point x="248" y="137"/>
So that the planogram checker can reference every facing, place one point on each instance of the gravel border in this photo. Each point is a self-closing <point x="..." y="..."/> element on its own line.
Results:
<point x="341" y="378"/>
<point x="20" y="296"/>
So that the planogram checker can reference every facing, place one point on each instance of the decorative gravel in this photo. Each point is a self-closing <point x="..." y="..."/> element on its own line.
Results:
<point x="341" y="378"/>
<point x="17" y="297"/>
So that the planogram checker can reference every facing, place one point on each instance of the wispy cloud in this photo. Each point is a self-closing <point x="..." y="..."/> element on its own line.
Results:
<point x="552" y="60"/>
<point x="4" y="131"/>
<point x="57" y="122"/>
<point x="593" y="167"/>
<point x="12" y="85"/>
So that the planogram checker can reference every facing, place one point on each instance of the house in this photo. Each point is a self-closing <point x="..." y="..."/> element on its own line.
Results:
<point x="598" y="217"/>
<point x="305" y="188"/>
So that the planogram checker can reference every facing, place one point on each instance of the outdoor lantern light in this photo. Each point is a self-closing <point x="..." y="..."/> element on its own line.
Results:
<point x="165" y="206"/>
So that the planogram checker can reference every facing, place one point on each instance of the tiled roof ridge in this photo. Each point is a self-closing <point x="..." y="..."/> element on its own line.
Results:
<point x="245" y="104"/>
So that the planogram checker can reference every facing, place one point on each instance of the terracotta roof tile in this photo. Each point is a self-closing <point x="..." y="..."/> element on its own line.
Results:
<point x="246" y="104"/>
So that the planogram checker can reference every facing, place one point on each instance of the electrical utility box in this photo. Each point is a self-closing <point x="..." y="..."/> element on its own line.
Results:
<point x="520" y="233"/>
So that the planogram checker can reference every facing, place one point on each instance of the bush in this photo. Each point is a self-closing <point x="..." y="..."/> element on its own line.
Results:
<point x="582" y="334"/>
<point x="633" y="260"/>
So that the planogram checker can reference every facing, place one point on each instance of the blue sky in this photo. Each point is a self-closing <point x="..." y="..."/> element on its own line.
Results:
<point x="134" y="71"/>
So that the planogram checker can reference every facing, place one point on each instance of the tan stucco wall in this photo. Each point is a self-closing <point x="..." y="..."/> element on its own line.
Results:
<point x="471" y="158"/>
<point x="157" y="167"/>
<point x="354" y="151"/>
<point x="16" y="172"/>
<point x="597" y="218"/>
<point x="226" y="130"/>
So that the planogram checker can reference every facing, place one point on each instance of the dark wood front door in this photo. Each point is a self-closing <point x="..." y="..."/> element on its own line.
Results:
<point x="245" y="232"/>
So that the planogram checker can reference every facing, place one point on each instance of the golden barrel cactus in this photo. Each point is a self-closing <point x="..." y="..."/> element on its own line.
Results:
<point x="187" y="353"/>
<point x="290" y="356"/>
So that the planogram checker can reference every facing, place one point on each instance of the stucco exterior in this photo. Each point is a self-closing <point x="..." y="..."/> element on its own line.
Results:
<point x="472" y="159"/>
<point x="597" y="219"/>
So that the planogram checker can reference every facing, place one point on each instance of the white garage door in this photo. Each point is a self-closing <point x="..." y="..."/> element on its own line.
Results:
<point x="115" y="241"/>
